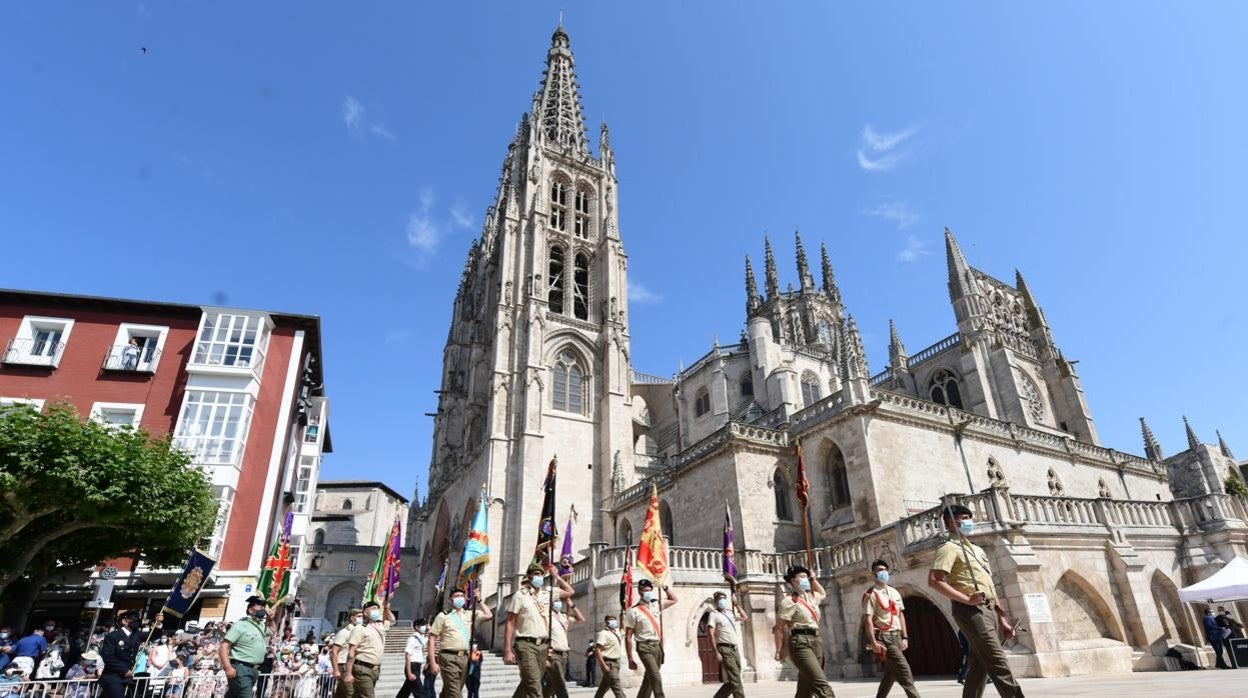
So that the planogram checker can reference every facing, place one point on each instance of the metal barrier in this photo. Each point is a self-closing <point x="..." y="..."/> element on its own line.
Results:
<point x="197" y="685"/>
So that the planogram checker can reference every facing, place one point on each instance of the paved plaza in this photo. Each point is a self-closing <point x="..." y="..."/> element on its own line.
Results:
<point x="1203" y="684"/>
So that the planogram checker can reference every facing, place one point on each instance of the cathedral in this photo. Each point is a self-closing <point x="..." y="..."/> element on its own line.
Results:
<point x="1090" y="544"/>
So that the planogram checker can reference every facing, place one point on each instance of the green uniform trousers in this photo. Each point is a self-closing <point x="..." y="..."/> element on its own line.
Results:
<point x="729" y="672"/>
<point x="343" y="689"/>
<point x="556" y="685"/>
<point x="365" y="680"/>
<point x="806" y="652"/>
<point x="454" y="667"/>
<point x="896" y="668"/>
<point x="650" y="653"/>
<point x="984" y="657"/>
<point x="610" y="680"/>
<point x="531" y="656"/>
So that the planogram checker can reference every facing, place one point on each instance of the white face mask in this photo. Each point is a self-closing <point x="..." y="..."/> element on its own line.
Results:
<point x="423" y="628"/>
<point x="647" y="595"/>
<point x="558" y="605"/>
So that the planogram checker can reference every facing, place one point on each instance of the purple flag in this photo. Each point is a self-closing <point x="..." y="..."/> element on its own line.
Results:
<point x="730" y="555"/>
<point x="565" y="555"/>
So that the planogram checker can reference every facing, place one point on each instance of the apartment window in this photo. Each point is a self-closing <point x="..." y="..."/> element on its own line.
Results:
<point x="303" y="483"/>
<point x="350" y="565"/>
<point x="232" y="340"/>
<point x="136" y="348"/>
<point x="296" y="547"/>
<point x="36" y="403"/>
<point x="213" y="426"/>
<point x="569" y="389"/>
<point x="582" y="214"/>
<point x="117" y="414"/>
<point x="225" y="495"/>
<point x="40" y="341"/>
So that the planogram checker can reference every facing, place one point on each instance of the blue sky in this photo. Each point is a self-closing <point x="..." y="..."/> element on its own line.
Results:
<point x="336" y="159"/>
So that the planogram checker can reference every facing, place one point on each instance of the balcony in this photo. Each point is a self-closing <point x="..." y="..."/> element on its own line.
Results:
<point x="229" y="358"/>
<point x="33" y="352"/>
<point x="144" y="361"/>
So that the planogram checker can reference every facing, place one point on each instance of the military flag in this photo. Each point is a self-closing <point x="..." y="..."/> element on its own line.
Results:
<point x="274" y="582"/>
<point x="565" y="554"/>
<point x="188" y="585"/>
<point x="544" y="549"/>
<point x="626" y="580"/>
<point x="477" y="548"/>
<point x="730" y="554"/>
<point x="803" y="483"/>
<point x="441" y="583"/>
<point x="384" y="579"/>
<point x="652" y="550"/>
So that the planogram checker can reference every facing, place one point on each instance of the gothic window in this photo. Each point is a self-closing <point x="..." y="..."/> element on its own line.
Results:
<point x="569" y="385"/>
<point x="1031" y="397"/>
<point x="581" y="226"/>
<point x="747" y="385"/>
<point x="702" y="403"/>
<point x="944" y="388"/>
<point x="784" y="508"/>
<point x="624" y="535"/>
<point x="665" y="520"/>
<point x="996" y="476"/>
<point x="1103" y="489"/>
<point x="319" y="538"/>
<point x="825" y="333"/>
<point x="554" y="298"/>
<point x="580" y="288"/>
<point x="346" y="505"/>
<point x="838" y="480"/>
<point x="1055" y="485"/>
<point x="810" y="389"/>
<point x="558" y="204"/>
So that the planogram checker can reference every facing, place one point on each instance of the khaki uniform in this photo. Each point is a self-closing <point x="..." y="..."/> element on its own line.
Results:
<point x="531" y="609"/>
<point x="452" y="631"/>
<point x="649" y="646"/>
<point x="369" y="641"/>
<point x="724" y="623"/>
<point x="985" y="659"/>
<point x="884" y="607"/>
<point x="342" y="689"/>
<point x="805" y="644"/>
<point x="556" y="684"/>
<point x="612" y="644"/>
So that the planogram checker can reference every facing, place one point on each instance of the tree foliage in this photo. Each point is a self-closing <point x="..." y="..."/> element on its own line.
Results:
<point x="74" y="493"/>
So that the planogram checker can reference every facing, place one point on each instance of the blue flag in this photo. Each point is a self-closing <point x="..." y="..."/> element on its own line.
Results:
<point x="188" y="585"/>
<point x="477" y="549"/>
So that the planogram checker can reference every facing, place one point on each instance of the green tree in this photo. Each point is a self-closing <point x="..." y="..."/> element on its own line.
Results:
<point x="74" y="493"/>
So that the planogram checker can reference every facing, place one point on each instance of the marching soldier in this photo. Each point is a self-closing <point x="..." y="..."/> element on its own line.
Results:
<point x="565" y="616"/>
<point x="242" y="650"/>
<point x="118" y="652"/>
<point x="529" y="629"/>
<point x="450" y="639"/>
<point x="641" y="622"/>
<point x="961" y="572"/>
<point x="608" y="648"/>
<point x="366" y="646"/>
<point x="800" y="616"/>
<point x="723" y="631"/>
<point x="886" y="628"/>
<point x="338" y="653"/>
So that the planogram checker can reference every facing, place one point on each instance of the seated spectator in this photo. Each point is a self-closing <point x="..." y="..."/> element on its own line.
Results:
<point x="11" y="681"/>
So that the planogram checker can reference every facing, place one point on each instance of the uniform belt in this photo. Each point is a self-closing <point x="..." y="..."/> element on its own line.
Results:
<point x="804" y="631"/>
<point x="725" y="644"/>
<point x="647" y="642"/>
<point x="454" y="653"/>
<point x="888" y="632"/>
<point x="534" y="640"/>
<point x="246" y="664"/>
<point x="366" y="664"/>
<point x="561" y="653"/>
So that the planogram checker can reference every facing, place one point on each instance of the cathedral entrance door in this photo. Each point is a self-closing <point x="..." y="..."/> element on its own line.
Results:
<point x="934" y="648"/>
<point x="707" y="654"/>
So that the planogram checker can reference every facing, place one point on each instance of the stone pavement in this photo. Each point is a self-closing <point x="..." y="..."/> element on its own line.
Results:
<point x="1210" y="683"/>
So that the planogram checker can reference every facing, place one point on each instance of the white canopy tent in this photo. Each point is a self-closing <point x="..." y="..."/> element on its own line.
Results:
<point x="1229" y="584"/>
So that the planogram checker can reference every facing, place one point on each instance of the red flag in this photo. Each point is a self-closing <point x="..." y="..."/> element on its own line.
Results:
<point x="652" y="551"/>
<point x="803" y="483"/>
<point x="626" y="580"/>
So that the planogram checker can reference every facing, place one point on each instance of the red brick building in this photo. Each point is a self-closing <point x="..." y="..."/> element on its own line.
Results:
<point x="240" y="390"/>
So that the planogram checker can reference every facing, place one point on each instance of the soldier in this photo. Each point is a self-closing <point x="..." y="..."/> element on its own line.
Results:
<point x="886" y="629"/>
<point x="366" y="646"/>
<point x="529" y="629"/>
<point x="118" y="651"/>
<point x="449" y="640"/>
<point x="961" y="572"/>
<point x="800" y="616"/>
<point x="722" y="627"/>
<point x="338" y="653"/>
<point x="565" y="616"/>
<point x="242" y="650"/>
<point x="608" y="648"/>
<point x="642" y="622"/>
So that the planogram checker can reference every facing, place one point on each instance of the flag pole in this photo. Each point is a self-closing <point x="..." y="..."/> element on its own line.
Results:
<point x="550" y="553"/>
<point x="810" y="557"/>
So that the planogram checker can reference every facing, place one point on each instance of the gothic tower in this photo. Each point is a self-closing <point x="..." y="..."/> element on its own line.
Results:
<point x="537" y="360"/>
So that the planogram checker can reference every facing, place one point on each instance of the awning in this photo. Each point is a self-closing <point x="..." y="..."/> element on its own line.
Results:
<point x="1228" y="584"/>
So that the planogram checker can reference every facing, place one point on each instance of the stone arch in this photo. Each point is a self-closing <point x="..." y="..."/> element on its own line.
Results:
<point x="944" y="386"/>
<point x="837" y="474"/>
<point x="1080" y="612"/>
<point x="782" y="491"/>
<point x="666" y="522"/>
<point x="342" y="598"/>
<point x="624" y="532"/>
<point x="934" y="648"/>
<point x="1175" y="622"/>
<point x="442" y="533"/>
<point x="318" y="537"/>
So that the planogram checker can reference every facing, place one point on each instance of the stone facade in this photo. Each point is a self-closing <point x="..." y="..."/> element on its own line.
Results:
<point x="1090" y="544"/>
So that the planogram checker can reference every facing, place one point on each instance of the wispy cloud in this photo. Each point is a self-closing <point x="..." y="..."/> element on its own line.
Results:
<point x="354" y="116"/>
<point x="880" y="152"/>
<point x="639" y="294"/>
<point x="426" y="226"/>
<point x="381" y="131"/>
<point x="398" y="337"/>
<point x="894" y="210"/>
<point x="914" y="249"/>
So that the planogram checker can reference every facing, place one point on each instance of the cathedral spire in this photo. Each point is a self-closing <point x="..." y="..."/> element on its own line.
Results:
<point x="1034" y="314"/>
<point x="857" y="359"/>
<point x="751" y="287"/>
<point x="558" y="107"/>
<point x="769" y="264"/>
<point x="1192" y="442"/>
<point x="829" y="279"/>
<point x="958" y="268"/>
<point x="1152" y="449"/>
<point x="1226" y="450"/>
<point x="896" y="350"/>
<point x="803" y="268"/>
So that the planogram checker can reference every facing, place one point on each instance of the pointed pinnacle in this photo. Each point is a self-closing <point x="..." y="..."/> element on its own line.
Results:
<point x="1226" y="450"/>
<point x="769" y="263"/>
<point x="958" y="268"/>
<point x="895" y="347"/>
<point x="751" y="285"/>
<point x="1152" y="449"/>
<point x="803" y="268"/>
<point x="829" y="279"/>
<point x="1192" y="442"/>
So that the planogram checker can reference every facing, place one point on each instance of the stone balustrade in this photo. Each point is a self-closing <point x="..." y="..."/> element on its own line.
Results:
<point x="940" y="347"/>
